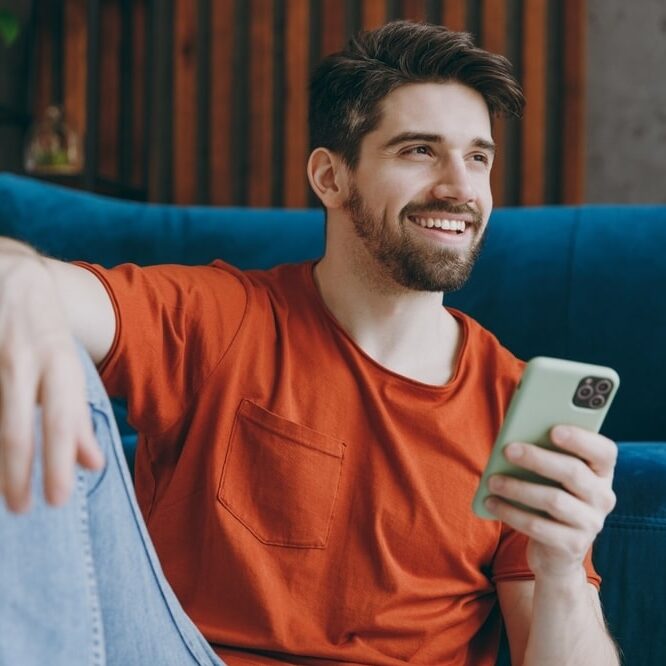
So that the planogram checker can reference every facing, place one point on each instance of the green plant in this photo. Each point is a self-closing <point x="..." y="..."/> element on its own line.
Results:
<point x="9" y="27"/>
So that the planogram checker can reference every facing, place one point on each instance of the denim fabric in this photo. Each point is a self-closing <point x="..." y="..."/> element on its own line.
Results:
<point x="81" y="584"/>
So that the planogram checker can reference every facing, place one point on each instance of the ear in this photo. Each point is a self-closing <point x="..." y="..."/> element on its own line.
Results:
<point x="328" y="177"/>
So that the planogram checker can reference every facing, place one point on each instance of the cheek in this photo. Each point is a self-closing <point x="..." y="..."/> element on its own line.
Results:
<point x="385" y="200"/>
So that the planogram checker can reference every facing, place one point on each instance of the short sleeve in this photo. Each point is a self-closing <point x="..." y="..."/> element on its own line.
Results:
<point x="510" y="561"/>
<point x="174" y="325"/>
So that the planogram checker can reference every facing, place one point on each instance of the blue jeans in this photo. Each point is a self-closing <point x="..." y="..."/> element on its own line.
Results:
<point x="81" y="584"/>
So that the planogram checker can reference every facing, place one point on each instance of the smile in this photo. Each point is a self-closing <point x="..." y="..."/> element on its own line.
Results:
<point x="457" y="226"/>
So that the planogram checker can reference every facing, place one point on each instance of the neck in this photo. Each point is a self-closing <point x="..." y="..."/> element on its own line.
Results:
<point x="406" y="331"/>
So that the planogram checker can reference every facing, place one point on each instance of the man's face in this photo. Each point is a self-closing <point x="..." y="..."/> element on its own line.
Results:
<point x="420" y="198"/>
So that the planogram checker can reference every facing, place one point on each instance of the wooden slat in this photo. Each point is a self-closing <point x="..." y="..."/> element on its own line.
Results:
<point x="184" y="102"/>
<point x="261" y="103"/>
<point x="493" y="39"/>
<point x="155" y="153"/>
<point x="373" y="14"/>
<point x="454" y="14"/>
<point x="296" y="140"/>
<point x="221" y="101"/>
<point x="533" y="148"/>
<point x="332" y="26"/>
<point x="414" y="10"/>
<point x="573" y="130"/>
<point x="76" y="42"/>
<point x="139" y="86"/>
<point x="109" y="77"/>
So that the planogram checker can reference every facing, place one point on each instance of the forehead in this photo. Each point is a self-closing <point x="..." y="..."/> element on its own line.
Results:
<point x="450" y="109"/>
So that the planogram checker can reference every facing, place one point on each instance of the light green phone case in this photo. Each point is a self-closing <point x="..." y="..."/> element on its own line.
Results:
<point x="545" y="398"/>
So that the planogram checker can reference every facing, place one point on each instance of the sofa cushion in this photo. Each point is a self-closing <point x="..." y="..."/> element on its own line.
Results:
<point x="630" y="553"/>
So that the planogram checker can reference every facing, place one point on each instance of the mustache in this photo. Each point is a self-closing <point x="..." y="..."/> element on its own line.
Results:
<point x="441" y="207"/>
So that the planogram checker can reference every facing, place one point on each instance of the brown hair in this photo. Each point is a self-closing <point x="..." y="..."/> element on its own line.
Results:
<point x="347" y="88"/>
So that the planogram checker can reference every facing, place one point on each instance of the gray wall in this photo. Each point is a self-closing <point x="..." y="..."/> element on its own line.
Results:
<point x="626" y="101"/>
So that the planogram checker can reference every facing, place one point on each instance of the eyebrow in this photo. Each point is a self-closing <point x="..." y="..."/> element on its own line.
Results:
<point x="404" y="137"/>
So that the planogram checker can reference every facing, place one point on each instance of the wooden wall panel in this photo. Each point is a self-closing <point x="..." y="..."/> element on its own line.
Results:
<point x="296" y="141"/>
<point x="74" y="79"/>
<point x="109" y="77"/>
<point x="159" y="102"/>
<point x="454" y="14"/>
<point x="184" y="102"/>
<point x="221" y="100"/>
<point x="493" y="38"/>
<point x="333" y="19"/>
<point x="43" y="58"/>
<point x="373" y="14"/>
<point x="533" y="154"/>
<point x="414" y="10"/>
<point x="139" y="78"/>
<point x="225" y="84"/>
<point x="261" y="103"/>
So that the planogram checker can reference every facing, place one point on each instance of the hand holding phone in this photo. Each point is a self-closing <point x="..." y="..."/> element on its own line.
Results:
<point x="551" y="392"/>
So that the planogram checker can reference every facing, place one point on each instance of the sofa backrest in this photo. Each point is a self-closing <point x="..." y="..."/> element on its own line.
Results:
<point x="585" y="283"/>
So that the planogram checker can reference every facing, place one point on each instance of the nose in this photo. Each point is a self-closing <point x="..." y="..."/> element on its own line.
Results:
<point x="453" y="181"/>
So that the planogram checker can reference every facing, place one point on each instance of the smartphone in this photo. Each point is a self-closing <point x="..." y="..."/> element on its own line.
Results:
<point x="551" y="392"/>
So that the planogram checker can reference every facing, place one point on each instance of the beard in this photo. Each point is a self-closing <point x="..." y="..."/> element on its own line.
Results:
<point x="410" y="262"/>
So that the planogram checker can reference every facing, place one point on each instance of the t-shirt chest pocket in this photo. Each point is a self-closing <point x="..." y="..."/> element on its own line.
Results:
<point x="280" y="479"/>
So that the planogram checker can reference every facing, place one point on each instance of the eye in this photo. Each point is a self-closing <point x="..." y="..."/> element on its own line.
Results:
<point x="481" y="157"/>
<point x="418" y="151"/>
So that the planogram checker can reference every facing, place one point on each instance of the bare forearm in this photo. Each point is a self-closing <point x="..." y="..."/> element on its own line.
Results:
<point x="79" y="300"/>
<point x="568" y="626"/>
<point x="40" y="362"/>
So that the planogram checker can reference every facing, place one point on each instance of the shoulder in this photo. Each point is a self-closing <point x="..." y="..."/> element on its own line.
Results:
<point x="285" y="286"/>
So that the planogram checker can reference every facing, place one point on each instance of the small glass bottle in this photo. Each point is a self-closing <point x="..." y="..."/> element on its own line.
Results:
<point x="52" y="148"/>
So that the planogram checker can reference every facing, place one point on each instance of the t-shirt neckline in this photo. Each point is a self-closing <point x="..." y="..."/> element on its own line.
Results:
<point x="459" y="316"/>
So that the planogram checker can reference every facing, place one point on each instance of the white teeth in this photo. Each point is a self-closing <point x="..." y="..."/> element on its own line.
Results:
<point x="446" y="225"/>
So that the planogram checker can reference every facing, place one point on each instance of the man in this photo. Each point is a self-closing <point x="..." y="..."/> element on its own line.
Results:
<point x="312" y="436"/>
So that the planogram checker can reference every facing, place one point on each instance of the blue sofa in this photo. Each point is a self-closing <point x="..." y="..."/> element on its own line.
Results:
<point x="586" y="283"/>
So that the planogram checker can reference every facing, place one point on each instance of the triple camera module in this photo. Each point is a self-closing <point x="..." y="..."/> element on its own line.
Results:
<point x="592" y="392"/>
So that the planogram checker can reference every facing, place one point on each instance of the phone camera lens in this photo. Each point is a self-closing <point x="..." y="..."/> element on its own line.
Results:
<point x="584" y="392"/>
<point x="597" y="401"/>
<point x="604" y="386"/>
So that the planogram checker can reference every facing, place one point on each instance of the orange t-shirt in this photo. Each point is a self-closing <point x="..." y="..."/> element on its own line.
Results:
<point x="308" y="505"/>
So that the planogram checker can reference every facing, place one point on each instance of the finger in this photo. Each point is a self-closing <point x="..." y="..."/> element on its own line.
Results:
<point x="567" y="470"/>
<point x="559" y="504"/>
<point x="599" y="452"/>
<point x="561" y="538"/>
<point x="59" y="424"/>
<point x="16" y="430"/>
